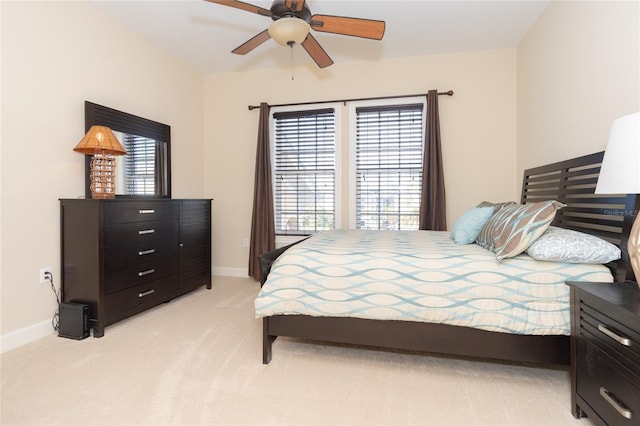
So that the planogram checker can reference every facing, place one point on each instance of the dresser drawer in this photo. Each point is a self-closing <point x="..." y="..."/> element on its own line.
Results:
<point x="608" y="387"/>
<point x="139" y="211"/>
<point x="127" y="302"/>
<point x="146" y="232"/>
<point x="139" y="252"/>
<point x="619" y="341"/>
<point x="117" y="279"/>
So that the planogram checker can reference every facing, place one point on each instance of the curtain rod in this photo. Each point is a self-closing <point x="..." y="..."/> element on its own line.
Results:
<point x="448" y="93"/>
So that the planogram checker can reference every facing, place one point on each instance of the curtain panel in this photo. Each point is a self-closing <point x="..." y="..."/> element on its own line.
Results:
<point x="263" y="236"/>
<point x="433" y="209"/>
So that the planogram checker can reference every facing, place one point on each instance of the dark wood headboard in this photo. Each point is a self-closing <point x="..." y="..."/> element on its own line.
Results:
<point x="573" y="183"/>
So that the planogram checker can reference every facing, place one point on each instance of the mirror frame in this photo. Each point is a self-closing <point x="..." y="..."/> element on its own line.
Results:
<point x="123" y="122"/>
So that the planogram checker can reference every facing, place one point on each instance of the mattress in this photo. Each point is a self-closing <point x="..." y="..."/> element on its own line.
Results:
<point x="421" y="276"/>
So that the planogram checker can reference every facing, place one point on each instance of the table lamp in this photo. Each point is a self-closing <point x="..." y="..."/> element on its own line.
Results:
<point x="620" y="173"/>
<point x="103" y="145"/>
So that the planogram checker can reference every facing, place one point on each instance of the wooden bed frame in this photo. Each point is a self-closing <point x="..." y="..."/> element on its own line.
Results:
<point x="571" y="182"/>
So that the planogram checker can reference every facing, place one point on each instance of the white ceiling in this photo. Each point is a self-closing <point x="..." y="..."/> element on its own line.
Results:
<point x="203" y="34"/>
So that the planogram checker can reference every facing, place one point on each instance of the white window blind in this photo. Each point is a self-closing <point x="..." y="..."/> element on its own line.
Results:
<point x="304" y="171"/>
<point x="139" y="164"/>
<point x="388" y="157"/>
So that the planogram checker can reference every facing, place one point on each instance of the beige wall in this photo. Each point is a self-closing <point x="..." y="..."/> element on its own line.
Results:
<point x="56" y="55"/>
<point x="578" y="70"/>
<point x="478" y="128"/>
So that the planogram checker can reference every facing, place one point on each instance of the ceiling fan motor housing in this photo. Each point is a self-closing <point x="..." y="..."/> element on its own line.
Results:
<point x="280" y="10"/>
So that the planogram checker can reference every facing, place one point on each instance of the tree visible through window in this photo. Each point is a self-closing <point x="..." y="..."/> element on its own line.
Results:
<point x="304" y="171"/>
<point x="388" y="165"/>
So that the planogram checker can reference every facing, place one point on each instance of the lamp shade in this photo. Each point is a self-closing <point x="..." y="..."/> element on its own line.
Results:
<point x="289" y="30"/>
<point x="620" y="170"/>
<point x="100" y="140"/>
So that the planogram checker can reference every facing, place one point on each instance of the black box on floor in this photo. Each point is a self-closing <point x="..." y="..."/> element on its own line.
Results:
<point x="74" y="320"/>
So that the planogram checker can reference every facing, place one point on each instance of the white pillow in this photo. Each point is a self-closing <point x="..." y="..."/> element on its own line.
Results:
<point x="568" y="246"/>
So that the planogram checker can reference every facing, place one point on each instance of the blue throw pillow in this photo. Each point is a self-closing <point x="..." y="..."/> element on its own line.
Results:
<point x="469" y="225"/>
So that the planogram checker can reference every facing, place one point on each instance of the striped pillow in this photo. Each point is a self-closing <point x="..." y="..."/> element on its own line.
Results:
<point x="513" y="228"/>
<point x="496" y="206"/>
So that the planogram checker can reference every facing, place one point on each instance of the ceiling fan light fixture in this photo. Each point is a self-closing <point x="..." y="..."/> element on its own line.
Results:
<point x="289" y="30"/>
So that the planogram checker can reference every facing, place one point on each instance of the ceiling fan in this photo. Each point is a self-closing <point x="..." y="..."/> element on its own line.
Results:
<point x="292" y="21"/>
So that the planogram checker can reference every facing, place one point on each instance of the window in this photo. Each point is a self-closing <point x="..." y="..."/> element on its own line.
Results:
<point x="304" y="153"/>
<point x="385" y="151"/>
<point x="387" y="157"/>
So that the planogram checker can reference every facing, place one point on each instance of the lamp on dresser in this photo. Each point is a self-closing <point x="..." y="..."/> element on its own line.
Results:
<point x="620" y="174"/>
<point x="103" y="145"/>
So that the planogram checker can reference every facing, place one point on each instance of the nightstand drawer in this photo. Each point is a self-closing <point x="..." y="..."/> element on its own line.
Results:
<point x="619" y="341"/>
<point x="139" y="211"/>
<point x="609" y="388"/>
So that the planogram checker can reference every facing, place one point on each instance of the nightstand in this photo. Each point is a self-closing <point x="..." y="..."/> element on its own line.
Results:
<point x="605" y="352"/>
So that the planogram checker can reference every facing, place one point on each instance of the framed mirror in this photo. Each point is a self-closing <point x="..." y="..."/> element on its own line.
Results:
<point x="146" y="169"/>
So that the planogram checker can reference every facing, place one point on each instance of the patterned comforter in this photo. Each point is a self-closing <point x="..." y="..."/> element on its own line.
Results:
<point x="421" y="276"/>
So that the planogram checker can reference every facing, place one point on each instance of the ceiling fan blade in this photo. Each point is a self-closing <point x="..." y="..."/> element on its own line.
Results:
<point x="244" y="6"/>
<point x="366" y="28"/>
<point x="316" y="51"/>
<point x="296" y="5"/>
<point x="252" y="43"/>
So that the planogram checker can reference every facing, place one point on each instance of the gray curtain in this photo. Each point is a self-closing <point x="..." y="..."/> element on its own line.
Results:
<point x="263" y="236"/>
<point x="433" y="211"/>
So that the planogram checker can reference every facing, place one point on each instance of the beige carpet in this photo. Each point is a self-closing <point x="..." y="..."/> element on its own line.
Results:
<point x="197" y="361"/>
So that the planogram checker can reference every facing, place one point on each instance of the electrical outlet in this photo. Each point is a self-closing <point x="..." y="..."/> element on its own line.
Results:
<point x="43" y="271"/>
<point x="245" y="242"/>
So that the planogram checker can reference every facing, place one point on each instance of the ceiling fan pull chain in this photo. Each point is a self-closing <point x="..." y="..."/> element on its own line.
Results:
<point x="291" y="58"/>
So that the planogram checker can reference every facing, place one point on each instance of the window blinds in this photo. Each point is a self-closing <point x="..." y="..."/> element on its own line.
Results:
<point x="304" y="171"/>
<point x="389" y="146"/>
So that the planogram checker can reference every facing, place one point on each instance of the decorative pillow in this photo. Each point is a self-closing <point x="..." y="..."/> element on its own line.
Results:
<point x="496" y="206"/>
<point x="566" y="245"/>
<point x="513" y="228"/>
<point x="468" y="226"/>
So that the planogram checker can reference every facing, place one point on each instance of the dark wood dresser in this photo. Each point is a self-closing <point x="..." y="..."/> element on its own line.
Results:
<point x="605" y="352"/>
<point x="124" y="256"/>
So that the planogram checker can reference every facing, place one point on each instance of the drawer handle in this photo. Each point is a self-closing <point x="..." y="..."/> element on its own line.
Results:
<point x="146" y="231"/>
<point x="146" y="211"/>
<point x="146" y="293"/>
<point x="143" y="252"/>
<point x="622" y="340"/>
<point x="624" y="412"/>
<point x="147" y="272"/>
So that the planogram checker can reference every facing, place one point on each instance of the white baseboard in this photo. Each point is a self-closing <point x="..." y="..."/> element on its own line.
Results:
<point x="230" y="272"/>
<point x="33" y="332"/>
<point x="25" y="335"/>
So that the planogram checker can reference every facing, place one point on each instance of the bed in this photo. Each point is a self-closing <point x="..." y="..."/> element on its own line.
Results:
<point x="427" y="327"/>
